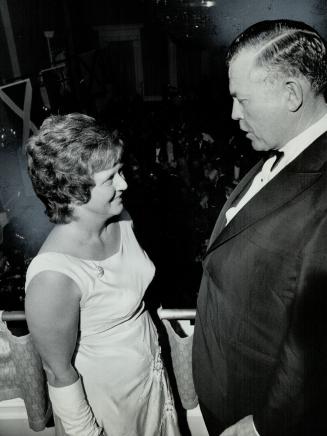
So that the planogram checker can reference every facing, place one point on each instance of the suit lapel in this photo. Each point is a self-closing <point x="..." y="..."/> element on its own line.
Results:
<point x="240" y="188"/>
<point x="298" y="176"/>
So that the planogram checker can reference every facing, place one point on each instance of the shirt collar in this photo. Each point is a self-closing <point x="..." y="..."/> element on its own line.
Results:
<point x="298" y="144"/>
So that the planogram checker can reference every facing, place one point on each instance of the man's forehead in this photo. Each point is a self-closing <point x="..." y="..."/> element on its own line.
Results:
<point x="243" y="68"/>
<point x="242" y="62"/>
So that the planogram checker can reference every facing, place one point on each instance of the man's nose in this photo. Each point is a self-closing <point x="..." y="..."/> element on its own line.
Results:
<point x="237" y="113"/>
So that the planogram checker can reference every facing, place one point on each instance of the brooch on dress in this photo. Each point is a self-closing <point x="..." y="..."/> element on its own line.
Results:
<point x="100" y="271"/>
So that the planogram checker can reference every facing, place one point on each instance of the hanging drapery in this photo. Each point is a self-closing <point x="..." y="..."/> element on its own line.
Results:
<point x="22" y="376"/>
<point x="181" y="355"/>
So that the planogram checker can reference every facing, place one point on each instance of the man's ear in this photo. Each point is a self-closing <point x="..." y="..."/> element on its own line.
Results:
<point x="294" y="91"/>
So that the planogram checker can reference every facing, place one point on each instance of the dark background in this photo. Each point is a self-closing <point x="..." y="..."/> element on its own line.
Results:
<point x="154" y="71"/>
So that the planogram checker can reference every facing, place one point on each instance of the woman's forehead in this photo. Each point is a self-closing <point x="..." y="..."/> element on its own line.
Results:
<point x="106" y="172"/>
<point x="106" y="159"/>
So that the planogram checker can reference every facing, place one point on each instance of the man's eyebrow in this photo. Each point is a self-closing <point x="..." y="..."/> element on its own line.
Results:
<point x="239" y="96"/>
<point x="234" y="94"/>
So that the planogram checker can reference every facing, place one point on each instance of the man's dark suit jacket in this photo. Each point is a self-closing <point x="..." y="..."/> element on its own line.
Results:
<point x="260" y="341"/>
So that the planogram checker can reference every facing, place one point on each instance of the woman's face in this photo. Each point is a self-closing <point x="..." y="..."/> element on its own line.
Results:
<point x="106" y="195"/>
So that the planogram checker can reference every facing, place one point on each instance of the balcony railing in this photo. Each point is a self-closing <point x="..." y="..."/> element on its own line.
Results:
<point x="19" y="315"/>
<point x="176" y="313"/>
<point x="15" y="315"/>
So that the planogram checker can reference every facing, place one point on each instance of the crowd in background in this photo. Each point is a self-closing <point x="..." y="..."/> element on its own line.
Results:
<point x="180" y="170"/>
<point x="180" y="167"/>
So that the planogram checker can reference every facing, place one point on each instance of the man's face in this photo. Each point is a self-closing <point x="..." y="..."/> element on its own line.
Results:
<point x="259" y="104"/>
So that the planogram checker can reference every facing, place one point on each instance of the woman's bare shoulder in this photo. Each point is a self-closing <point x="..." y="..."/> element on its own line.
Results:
<point x="50" y="297"/>
<point x="58" y="241"/>
<point x="50" y="284"/>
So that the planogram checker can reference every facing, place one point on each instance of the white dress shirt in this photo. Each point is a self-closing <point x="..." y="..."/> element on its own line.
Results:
<point x="291" y="150"/>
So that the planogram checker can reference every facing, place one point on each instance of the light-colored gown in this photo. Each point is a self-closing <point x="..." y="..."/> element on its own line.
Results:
<point x="118" y="356"/>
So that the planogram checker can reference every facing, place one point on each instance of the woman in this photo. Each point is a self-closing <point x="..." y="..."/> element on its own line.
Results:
<point x="84" y="290"/>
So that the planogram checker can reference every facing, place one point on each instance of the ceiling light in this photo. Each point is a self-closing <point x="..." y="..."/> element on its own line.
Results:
<point x="208" y="4"/>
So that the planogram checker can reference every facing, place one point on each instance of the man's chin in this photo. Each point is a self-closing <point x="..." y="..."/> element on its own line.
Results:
<point x="258" y="146"/>
<point x="255" y="146"/>
<point x="254" y="142"/>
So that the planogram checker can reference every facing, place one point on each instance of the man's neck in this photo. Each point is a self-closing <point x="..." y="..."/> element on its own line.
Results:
<point x="312" y="111"/>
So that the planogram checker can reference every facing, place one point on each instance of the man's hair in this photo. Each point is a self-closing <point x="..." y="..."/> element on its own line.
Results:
<point x="62" y="158"/>
<point x="288" y="47"/>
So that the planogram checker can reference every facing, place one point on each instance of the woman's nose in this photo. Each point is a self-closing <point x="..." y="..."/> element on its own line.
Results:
<point x="120" y="182"/>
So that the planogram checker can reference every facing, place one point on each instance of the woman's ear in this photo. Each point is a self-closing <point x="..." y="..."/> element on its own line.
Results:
<point x="294" y="91"/>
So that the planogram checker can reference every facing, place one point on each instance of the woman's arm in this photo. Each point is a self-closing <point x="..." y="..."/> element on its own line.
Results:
<point x="52" y="314"/>
<point x="52" y="308"/>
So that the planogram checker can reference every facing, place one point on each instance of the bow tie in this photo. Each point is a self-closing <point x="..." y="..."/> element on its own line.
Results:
<point x="271" y="153"/>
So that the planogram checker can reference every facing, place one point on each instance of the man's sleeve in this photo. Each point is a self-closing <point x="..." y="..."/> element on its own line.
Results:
<point x="299" y="388"/>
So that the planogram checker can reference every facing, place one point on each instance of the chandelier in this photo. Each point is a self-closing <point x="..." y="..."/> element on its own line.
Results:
<point x="188" y="19"/>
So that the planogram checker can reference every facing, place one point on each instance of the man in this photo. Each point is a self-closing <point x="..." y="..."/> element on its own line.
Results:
<point x="260" y="341"/>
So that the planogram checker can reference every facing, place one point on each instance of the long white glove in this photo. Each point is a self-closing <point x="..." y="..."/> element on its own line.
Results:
<point x="70" y="405"/>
